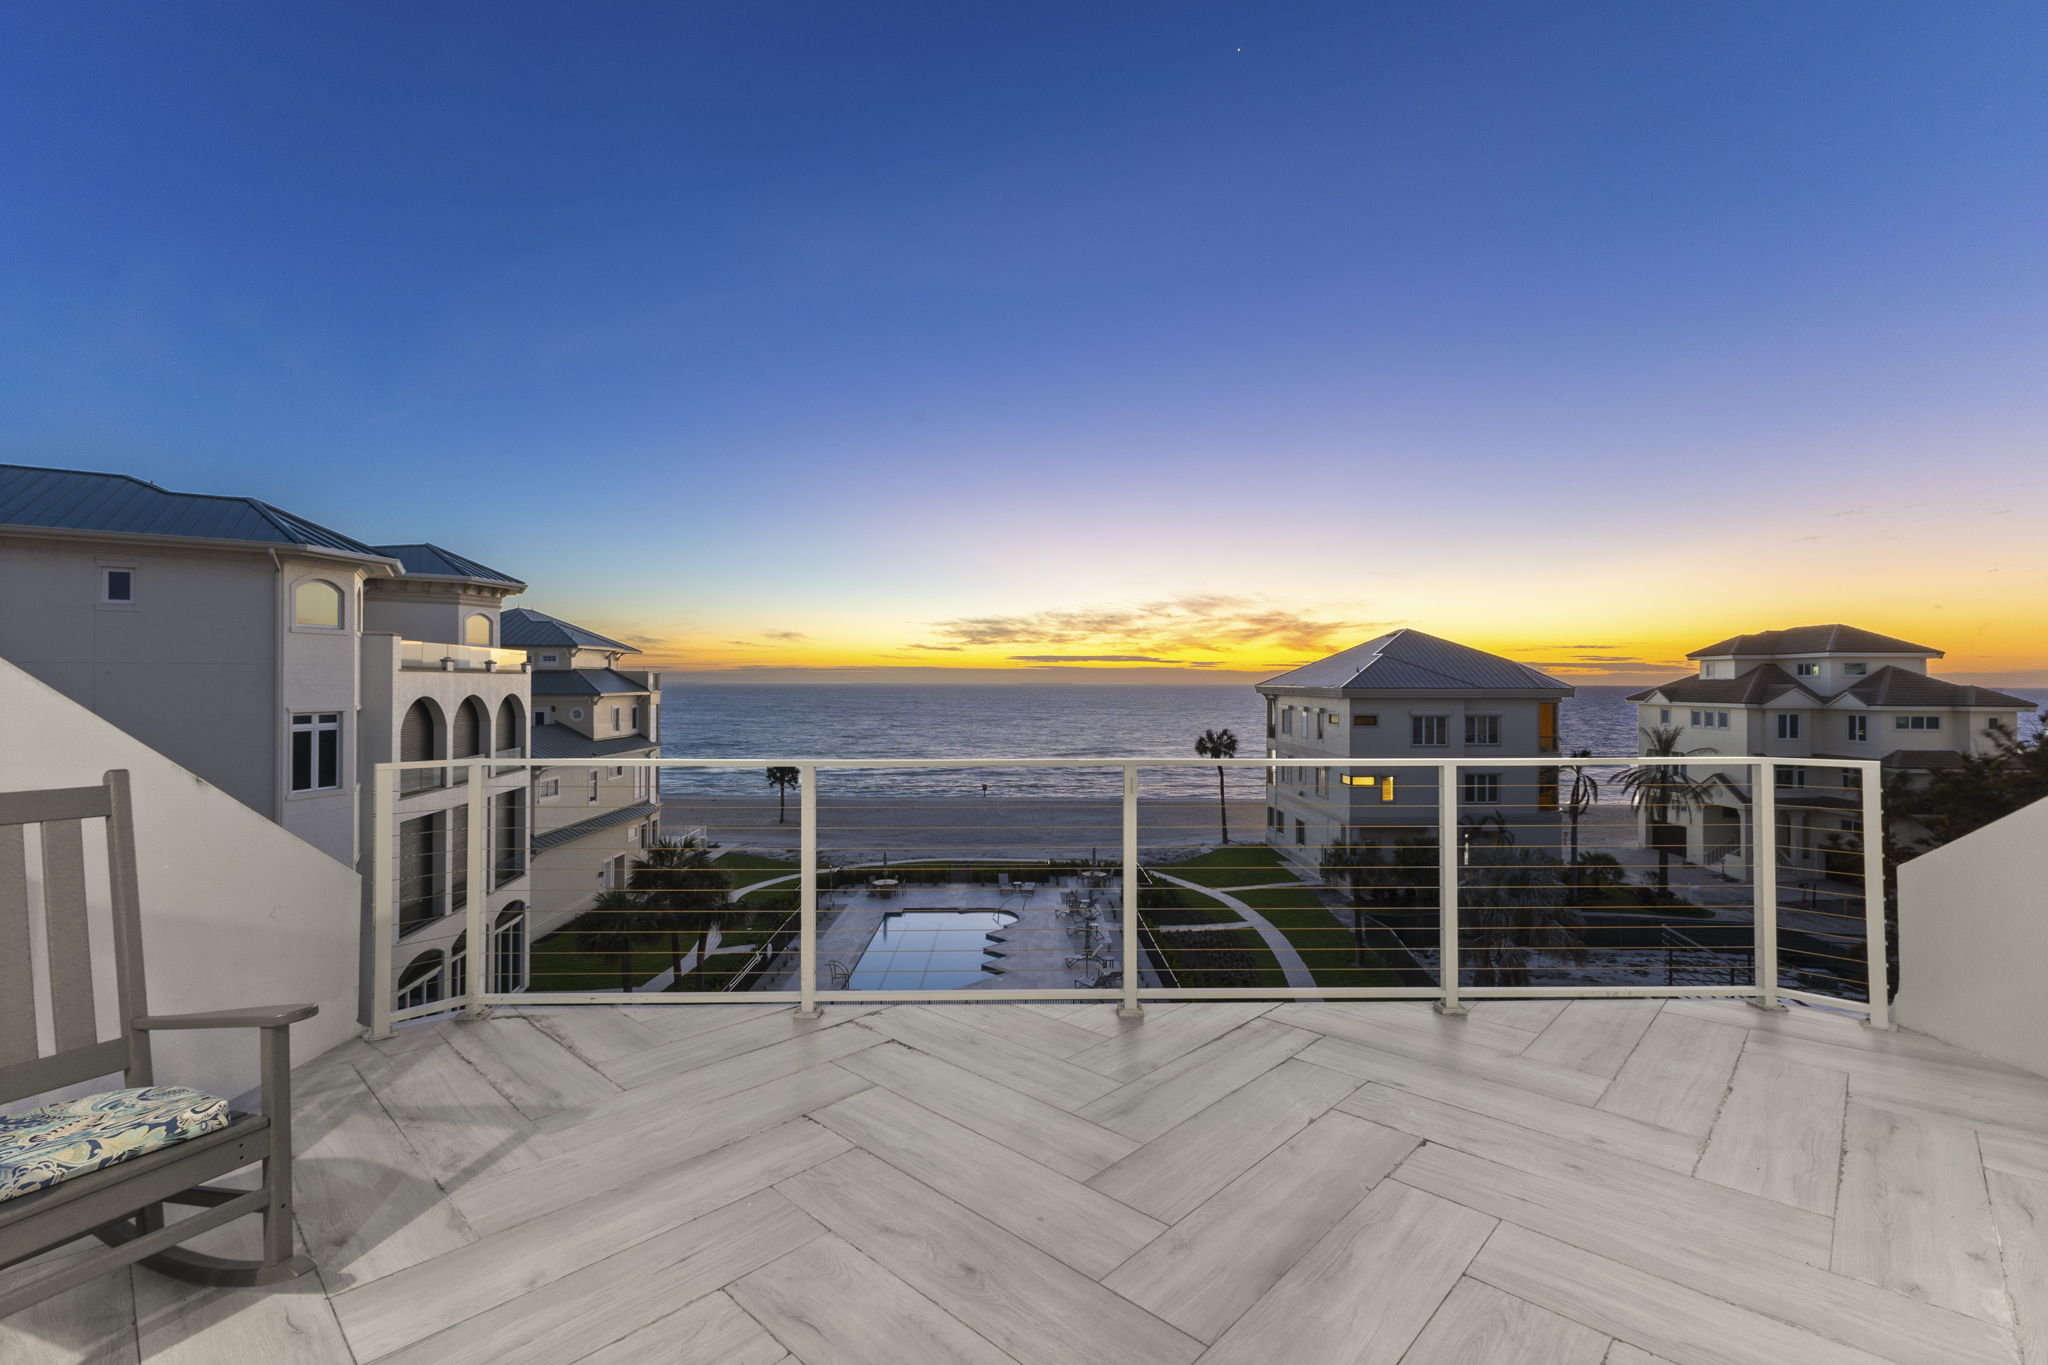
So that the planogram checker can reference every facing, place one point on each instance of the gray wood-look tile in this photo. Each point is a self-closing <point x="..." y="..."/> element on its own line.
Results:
<point x="1052" y="1137"/>
<point x="1444" y="1053"/>
<point x="1206" y="1270"/>
<point x="1055" y="1213"/>
<point x="1678" y="1074"/>
<point x="834" y="1306"/>
<point x="597" y="1035"/>
<point x="1192" y="1082"/>
<point x="1362" y="1294"/>
<point x="731" y="1039"/>
<point x="1020" y="1023"/>
<point x="1621" y="1353"/>
<point x="1594" y="1036"/>
<point x="2019" y="1204"/>
<point x="1035" y="1308"/>
<point x="2015" y="1157"/>
<point x="91" y="1324"/>
<point x="1479" y="1325"/>
<point x="462" y="1128"/>
<point x="559" y="1323"/>
<point x="288" y="1324"/>
<point x="1914" y="1216"/>
<point x="1183" y="1166"/>
<point x="1780" y="1133"/>
<point x="1024" y="1069"/>
<point x="712" y="1331"/>
<point x="528" y="1066"/>
<point x="1136" y="1052"/>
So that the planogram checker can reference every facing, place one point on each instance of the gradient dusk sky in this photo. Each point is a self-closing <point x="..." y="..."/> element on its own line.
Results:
<point x="1196" y="339"/>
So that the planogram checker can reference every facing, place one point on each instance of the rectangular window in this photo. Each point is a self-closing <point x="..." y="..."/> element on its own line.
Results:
<point x="1300" y="832"/>
<point x="118" y="585"/>
<point x="1481" y="789"/>
<point x="1482" y="729"/>
<point x="593" y="784"/>
<point x="636" y="719"/>
<point x="550" y="658"/>
<point x="1916" y="722"/>
<point x="1546" y="789"/>
<point x="1287" y="720"/>
<point x="1721" y="719"/>
<point x="1431" y="730"/>
<point x="550" y="786"/>
<point x="1695" y="718"/>
<point x="508" y="836"/>
<point x="616" y="713"/>
<point x="1807" y="670"/>
<point x="1791" y="777"/>
<point x="1859" y="728"/>
<point x="1664" y="715"/>
<point x="1320" y="714"/>
<point x="1788" y="726"/>
<point x="316" y="751"/>
<point x="1856" y="670"/>
<point x="1365" y="720"/>
<point x="1852" y="778"/>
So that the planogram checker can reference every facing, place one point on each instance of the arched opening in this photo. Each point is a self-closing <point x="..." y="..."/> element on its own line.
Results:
<point x="420" y="736"/>
<point x="508" y="950"/>
<point x="458" y="967"/>
<point x="511" y="733"/>
<point x="472" y="723"/>
<point x="423" y="982"/>
<point x="477" y="630"/>
<point x="317" y="602"/>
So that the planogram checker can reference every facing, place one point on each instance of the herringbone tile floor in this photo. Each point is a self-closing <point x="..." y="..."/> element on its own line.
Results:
<point x="1624" y="1182"/>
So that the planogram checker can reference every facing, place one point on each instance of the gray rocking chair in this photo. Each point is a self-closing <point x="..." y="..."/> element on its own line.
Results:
<point x="122" y="1204"/>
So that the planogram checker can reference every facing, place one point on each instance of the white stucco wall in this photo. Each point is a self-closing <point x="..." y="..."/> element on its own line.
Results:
<point x="1973" y="941"/>
<point x="235" y="910"/>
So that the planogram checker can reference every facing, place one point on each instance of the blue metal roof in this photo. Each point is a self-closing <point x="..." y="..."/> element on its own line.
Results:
<point x="119" y="504"/>
<point x="581" y="682"/>
<point x="563" y="741"/>
<point x="525" y="628"/>
<point x="569" y="834"/>
<point x="431" y="561"/>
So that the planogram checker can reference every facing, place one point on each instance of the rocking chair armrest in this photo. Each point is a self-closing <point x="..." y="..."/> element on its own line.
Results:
<point x="254" y="1016"/>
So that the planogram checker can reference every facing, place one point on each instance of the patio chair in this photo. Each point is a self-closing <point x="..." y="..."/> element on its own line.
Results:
<point x="107" y="1164"/>
<point x="1003" y="880"/>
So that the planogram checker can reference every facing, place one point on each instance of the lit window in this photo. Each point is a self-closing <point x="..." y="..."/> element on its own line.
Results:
<point x="477" y="630"/>
<point x="118" y="585"/>
<point x="316" y="751"/>
<point x="1430" y="730"/>
<point x="1807" y="670"/>
<point x="1365" y="720"/>
<point x="317" y="604"/>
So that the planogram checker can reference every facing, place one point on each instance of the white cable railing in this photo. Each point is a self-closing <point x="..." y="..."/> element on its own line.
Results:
<point x="529" y="886"/>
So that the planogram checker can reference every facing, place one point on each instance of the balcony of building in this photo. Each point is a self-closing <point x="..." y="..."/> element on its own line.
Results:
<point x="1603" y="1165"/>
<point x="447" y="658"/>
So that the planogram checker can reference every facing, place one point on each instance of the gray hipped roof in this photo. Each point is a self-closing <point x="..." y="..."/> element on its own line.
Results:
<point x="431" y="561"/>
<point x="1829" y="639"/>
<point x="119" y="504"/>
<point x="582" y="682"/>
<point x="525" y="628"/>
<point x="1414" y="661"/>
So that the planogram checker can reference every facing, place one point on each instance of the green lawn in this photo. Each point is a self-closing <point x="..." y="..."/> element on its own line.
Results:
<point x="753" y="862"/>
<point x="560" y="965"/>
<point x="1237" y="865"/>
<point x="1326" y="943"/>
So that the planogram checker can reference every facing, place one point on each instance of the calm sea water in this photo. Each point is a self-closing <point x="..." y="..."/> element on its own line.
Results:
<point x="828" y="720"/>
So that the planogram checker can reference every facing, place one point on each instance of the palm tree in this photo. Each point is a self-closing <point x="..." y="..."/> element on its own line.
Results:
<point x="1510" y="908"/>
<point x="1358" y="866"/>
<point x="674" y="874"/>
<point x="782" y="779"/>
<point x="1218" y="744"/>
<point x="613" y="927"/>
<point x="1659" y="789"/>
<point x="1584" y="794"/>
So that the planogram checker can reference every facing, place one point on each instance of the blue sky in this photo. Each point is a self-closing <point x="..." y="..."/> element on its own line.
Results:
<point x="793" y="336"/>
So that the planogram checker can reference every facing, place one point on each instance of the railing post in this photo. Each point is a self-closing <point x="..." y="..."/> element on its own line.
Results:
<point x="383" y="872"/>
<point x="1447" y="888"/>
<point x="479" y="873"/>
<point x="807" y="893"/>
<point x="1128" y="1007"/>
<point x="1876" y="943"/>
<point x="1764" y="865"/>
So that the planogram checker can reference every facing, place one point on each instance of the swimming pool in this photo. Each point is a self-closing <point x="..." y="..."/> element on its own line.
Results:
<point x="928" y="950"/>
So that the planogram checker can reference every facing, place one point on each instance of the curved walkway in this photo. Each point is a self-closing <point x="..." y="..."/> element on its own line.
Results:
<point x="1290" y="961"/>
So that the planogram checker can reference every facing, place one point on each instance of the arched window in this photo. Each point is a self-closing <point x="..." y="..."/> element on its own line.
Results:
<point x="509" y="728"/>
<point x="317" y="602"/>
<point x="419" y="739"/>
<point x="458" y="967"/>
<point x="423" y="982"/>
<point x="471" y="725"/>
<point x="508" y="950"/>
<point x="477" y="630"/>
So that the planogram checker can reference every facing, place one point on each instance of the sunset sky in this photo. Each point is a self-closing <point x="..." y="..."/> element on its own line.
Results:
<point x="1043" y="341"/>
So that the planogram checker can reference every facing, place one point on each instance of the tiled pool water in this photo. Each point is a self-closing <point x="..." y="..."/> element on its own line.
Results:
<point x="928" y="950"/>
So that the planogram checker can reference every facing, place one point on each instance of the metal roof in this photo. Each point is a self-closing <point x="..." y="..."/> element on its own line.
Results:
<point x="582" y="682"/>
<point x="563" y="741"/>
<point x="1903" y="687"/>
<point x="431" y="561"/>
<point x="1414" y="661"/>
<point x="1830" y="639"/>
<point x="525" y="628"/>
<point x="569" y="834"/>
<point x="1758" y="687"/>
<point x="120" y="504"/>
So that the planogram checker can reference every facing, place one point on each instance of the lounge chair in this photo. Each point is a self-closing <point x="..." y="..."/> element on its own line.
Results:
<point x="107" y="1164"/>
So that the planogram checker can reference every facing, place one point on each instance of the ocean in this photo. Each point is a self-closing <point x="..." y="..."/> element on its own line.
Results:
<point x="1078" y="720"/>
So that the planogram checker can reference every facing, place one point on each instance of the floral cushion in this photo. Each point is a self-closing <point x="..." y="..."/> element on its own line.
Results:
<point x="73" y="1137"/>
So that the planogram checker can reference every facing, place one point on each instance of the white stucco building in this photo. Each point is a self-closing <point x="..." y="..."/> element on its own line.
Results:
<point x="1811" y="692"/>
<point x="1407" y="694"/>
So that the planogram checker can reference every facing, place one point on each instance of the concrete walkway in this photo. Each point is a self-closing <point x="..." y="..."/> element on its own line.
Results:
<point x="1290" y="961"/>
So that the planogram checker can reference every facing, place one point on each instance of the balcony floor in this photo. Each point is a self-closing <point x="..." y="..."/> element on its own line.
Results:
<point x="1600" y="1183"/>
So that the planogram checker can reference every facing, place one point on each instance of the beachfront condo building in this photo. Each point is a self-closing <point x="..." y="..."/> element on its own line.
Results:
<point x="280" y="661"/>
<point x="1807" y="692"/>
<point x="1408" y="694"/>
<point x="589" y="824"/>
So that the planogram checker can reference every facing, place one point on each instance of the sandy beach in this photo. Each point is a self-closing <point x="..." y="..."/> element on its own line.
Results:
<point x="851" y="829"/>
